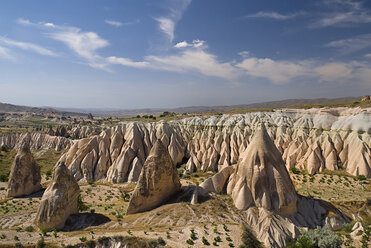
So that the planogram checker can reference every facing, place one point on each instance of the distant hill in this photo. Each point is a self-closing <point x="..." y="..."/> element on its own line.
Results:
<point x="262" y="105"/>
<point x="211" y="109"/>
<point x="10" y="108"/>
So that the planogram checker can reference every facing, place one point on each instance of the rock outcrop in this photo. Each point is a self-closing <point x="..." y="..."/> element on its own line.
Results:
<point x="36" y="141"/>
<point x="261" y="178"/>
<point x="314" y="140"/>
<point x="24" y="177"/>
<point x="59" y="201"/>
<point x="157" y="182"/>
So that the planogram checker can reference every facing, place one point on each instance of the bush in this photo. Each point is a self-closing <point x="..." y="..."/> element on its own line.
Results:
<point x="18" y="245"/>
<point x="43" y="231"/>
<point x="204" y="241"/>
<point x="83" y="239"/>
<point x="4" y="178"/>
<point x="248" y="239"/>
<point x="294" y="170"/>
<point x="40" y="243"/>
<point x="190" y="242"/>
<point x="361" y="177"/>
<point x="29" y="229"/>
<point x="161" y="241"/>
<point x="321" y="237"/>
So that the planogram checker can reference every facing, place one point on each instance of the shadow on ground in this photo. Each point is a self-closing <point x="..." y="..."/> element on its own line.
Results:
<point x="84" y="220"/>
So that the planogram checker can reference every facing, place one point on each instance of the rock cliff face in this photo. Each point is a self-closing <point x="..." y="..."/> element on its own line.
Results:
<point x="36" y="141"/>
<point x="24" y="177"/>
<point x="59" y="200"/>
<point x="314" y="140"/>
<point x="157" y="182"/>
<point x="261" y="178"/>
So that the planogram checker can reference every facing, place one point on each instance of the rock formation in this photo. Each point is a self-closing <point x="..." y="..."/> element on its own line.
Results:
<point x="157" y="182"/>
<point x="24" y="177"/>
<point x="36" y="141"/>
<point x="314" y="140"/>
<point x="59" y="201"/>
<point x="261" y="178"/>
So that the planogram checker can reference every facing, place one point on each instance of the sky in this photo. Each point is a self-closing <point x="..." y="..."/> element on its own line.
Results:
<point x="171" y="53"/>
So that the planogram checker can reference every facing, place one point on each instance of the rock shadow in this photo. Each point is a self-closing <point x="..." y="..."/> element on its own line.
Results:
<point x="84" y="220"/>
<point x="37" y="194"/>
<point x="186" y="193"/>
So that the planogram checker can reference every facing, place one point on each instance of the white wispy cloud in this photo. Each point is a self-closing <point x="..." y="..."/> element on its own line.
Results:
<point x="127" y="62"/>
<point x="284" y="72"/>
<point x="84" y="44"/>
<point x="343" y="13"/>
<point x="5" y="53"/>
<point x="274" y="15"/>
<point x="167" y="23"/>
<point x="195" y="43"/>
<point x="192" y="58"/>
<point x="368" y="55"/>
<point x="114" y="23"/>
<point x="120" y="24"/>
<point x="167" y="26"/>
<point x="26" y="46"/>
<point x="196" y="60"/>
<point x="278" y="72"/>
<point x="353" y="44"/>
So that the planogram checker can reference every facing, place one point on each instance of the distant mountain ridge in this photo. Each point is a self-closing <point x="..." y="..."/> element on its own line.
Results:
<point x="211" y="109"/>
<point x="11" y="108"/>
<point x="5" y="108"/>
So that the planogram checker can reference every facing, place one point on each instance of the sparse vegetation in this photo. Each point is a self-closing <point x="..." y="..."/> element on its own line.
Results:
<point x="321" y="237"/>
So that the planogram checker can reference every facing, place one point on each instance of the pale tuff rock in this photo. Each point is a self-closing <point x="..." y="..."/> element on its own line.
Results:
<point x="272" y="229"/>
<point x="24" y="177"/>
<point x="357" y="229"/>
<point x="335" y="223"/>
<point x="216" y="183"/>
<point x="194" y="199"/>
<point x="59" y="200"/>
<point x="157" y="182"/>
<point x="314" y="140"/>
<point x="36" y="141"/>
<point x="261" y="178"/>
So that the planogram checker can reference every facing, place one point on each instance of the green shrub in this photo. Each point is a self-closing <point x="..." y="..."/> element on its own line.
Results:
<point x="217" y="239"/>
<point x="29" y="229"/>
<point x="321" y="237"/>
<point x="204" y="241"/>
<point x="161" y="241"/>
<point x="294" y="170"/>
<point x="83" y="239"/>
<point x="248" y="239"/>
<point x="43" y="231"/>
<point x="361" y="177"/>
<point x="190" y="242"/>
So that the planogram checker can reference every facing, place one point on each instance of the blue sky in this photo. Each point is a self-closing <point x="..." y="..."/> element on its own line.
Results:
<point x="170" y="53"/>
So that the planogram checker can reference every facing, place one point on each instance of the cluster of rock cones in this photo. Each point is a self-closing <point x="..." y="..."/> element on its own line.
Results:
<point x="259" y="185"/>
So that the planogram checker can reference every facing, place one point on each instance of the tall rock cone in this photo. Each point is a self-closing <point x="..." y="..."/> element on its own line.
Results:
<point x="261" y="178"/>
<point x="157" y="182"/>
<point x="60" y="199"/>
<point x="24" y="177"/>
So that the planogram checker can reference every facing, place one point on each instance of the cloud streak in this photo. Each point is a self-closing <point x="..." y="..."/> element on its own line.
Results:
<point x="167" y="23"/>
<point x="353" y="44"/>
<point x="343" y="13"/>
<point x="274" y="15"/>
<point x="5" y="53"/>
<point x="26" y="46"/>
<point x="84" y="44"/>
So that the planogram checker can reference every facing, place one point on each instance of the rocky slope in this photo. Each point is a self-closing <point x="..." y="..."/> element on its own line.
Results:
<point x="36" y="141"/>
<point x="25" y="175"/>
<point x="313" y="139"/>
<point x="59" y="200"/>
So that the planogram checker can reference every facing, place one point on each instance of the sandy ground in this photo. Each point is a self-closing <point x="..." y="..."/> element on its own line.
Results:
<point x="106" y="206"/>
